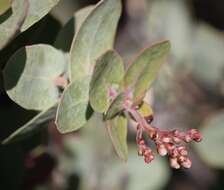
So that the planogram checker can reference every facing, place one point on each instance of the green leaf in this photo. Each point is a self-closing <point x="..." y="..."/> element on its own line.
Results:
<point x="144" y="69"/>
<point x="4" y="6"/>
<point x="210" y="149"/>
<point x="12" y="20"/>
<point x="109" y="70"/>
<point x="74" y="110"/>
<point x="117" y="129"/>
<point x="33" y="126"/>
<point x="116" y="107"/>
<point x="37" y="10"/>
<point x="30" y="74"/>
<point x="94" y="37"/>
<point x="65" y="36"/>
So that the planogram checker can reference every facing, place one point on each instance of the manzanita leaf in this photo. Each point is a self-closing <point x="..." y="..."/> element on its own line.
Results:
<point x="117" y="128"/>
<point x="144" y="69"/>
<point x="12" y="20"/>
<point x="116" y="107"/>
<point x="4" y="6"/>
<point x="94" y="37"/>
<point x="210" y="149"/>
<point x="33" y="126"/>
<point x="74" y="110"/>
<point x="37" y="10"/>
<point x="65" y="36"/>
<point x="109" y="70"/>
<point x="29" y="76"/>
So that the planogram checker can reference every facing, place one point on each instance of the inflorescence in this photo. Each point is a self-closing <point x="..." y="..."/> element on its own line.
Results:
<point x="168" y="143"/>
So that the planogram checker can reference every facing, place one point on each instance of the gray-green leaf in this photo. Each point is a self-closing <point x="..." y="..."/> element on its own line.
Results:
<point x="210" y="149"/>
<point x="117" y="129"/>
<point x="37" y="10"/>
<point x="12" y="20"/>
<point x="116" y="107"/>
<point x="109" y="70"/>
<point x="33" y="126"/>
<point x="143" y="71"/>
<point x="74" y="110"/>
<point x="30" y="74"/>
<point x="65" y="36"/>
<point x="94" y="37"/>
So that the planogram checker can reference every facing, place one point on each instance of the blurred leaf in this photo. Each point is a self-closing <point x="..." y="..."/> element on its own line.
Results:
<point x="211" y="148"/>
<point x="12" y="20"/>
<point x="144" y="69"/>
<point x="116" y="107"/>
<point x="4" y="6"/>
<point x="65" y="36"/>
<point x="32" y="126"/>
<point x="207" y="56"/>
<point x="74" y="110"/>
<point x="29" y="76"/>
<point x="117" y="129"/>
<point x="172" y="20"/>
<point x="94" y="37"/>
<point x="109" y="70"/>
<point x="136" y="174"/>
<point x="145" y="109"/>
<point x="37" y="10"/>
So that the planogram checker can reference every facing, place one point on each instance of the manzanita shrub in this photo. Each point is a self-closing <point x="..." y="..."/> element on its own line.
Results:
<point x="83" y="75"/>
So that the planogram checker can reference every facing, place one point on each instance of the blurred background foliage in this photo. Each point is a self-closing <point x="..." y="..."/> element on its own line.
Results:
<point x="189" y="93"/>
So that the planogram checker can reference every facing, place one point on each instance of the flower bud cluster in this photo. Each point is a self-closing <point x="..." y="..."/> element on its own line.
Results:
<point x="143" y="149"/>
<point x="168" y="143"/>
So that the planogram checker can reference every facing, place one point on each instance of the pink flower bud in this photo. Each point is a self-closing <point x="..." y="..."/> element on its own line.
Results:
<point x="177" y="140"/>
<point x="187" y="138"/>
<point x="162" y="150"/>
<point x="166" y="139"/>
<point x="153" y="135"/>
<point x="174" y="164"/>
<point x="174" y="153"/>
<point x="194" y="133"/>
<point x="170" y="146"/>
<point x="149" y="158"/>
<point x="148" y="152"/>
<point x="181" y="159"/>
<point x="186" y="163"/>
<point x="182" y="150"/>
<point x="176" y="133"/>
<point x="141" y="142"/>
<point x="140" y="152"/>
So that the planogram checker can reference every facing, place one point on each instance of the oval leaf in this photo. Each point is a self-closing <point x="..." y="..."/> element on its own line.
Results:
<point x="116" y="107"/>
<point x="109" y="70"/>
<point x="74" y="110"/>
<point x="94" y="37"/>
<point x="117" y="129"/>
<point x="37" y="10"/>
<point x="12" y="20"/>
<point x="29" y="76"/>
<point x="211" y="148"/>
<point x="4" y="6"/>
<point x="65" y="36"/>
<point x="32" y="126"/>
<point x="144" y="69"/>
